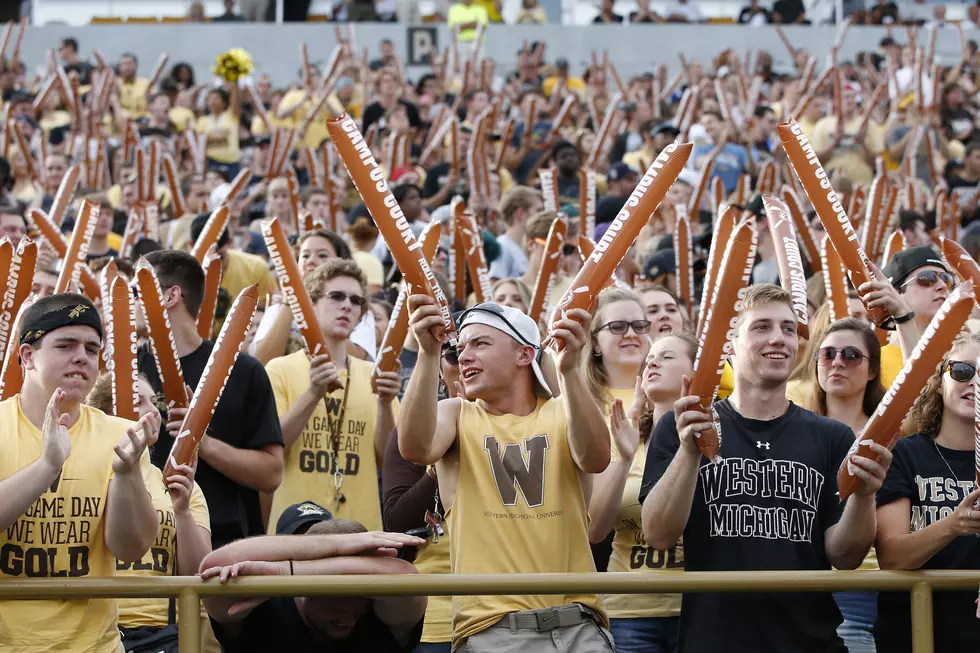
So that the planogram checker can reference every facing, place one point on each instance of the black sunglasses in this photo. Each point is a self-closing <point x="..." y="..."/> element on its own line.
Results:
<point x="568" y="249"/>
<point x="848" y="355"/>
<point x="960" y="371"/>
<point x="929" y="278"/>
<point x="620" y="327"/>
<point x="451" y="354"/>
<point x="339" y="296"/>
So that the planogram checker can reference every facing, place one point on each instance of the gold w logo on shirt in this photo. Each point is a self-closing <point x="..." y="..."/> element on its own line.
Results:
<point x="512" y="472"/>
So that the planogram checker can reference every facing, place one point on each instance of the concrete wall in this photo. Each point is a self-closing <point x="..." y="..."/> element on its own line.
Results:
<point x="274" y="48"/>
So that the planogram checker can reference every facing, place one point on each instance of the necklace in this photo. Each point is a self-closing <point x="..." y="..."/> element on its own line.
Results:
<point x="945" y="462"/>
<point x="335" y="426"/>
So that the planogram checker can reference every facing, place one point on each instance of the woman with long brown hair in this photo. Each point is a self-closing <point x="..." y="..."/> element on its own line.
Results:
<point x="640" y="622"/>
<point x="926" y="506"/>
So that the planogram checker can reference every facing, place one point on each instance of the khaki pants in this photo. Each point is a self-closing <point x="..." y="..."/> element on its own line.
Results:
<point x="585" y="637"/>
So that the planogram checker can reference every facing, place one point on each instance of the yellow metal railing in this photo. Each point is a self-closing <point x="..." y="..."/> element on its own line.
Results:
<point x="189" y="590"/>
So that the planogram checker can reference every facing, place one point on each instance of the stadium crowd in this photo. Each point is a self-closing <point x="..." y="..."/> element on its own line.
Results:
<point x="580" y="457"/>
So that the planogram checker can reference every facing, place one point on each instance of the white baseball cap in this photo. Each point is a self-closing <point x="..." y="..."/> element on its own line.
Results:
<point x="514" y="323"/>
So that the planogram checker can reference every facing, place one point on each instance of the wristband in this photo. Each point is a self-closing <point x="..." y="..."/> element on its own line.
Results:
<point x="902" y="319"/>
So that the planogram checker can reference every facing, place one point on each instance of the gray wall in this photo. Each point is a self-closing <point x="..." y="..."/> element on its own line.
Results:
<point x="275" y="49"/>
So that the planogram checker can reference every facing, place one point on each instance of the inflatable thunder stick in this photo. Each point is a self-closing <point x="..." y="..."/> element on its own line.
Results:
<point x="877" y="199"/>
<point x="216" y="372"/>
<point x="734" y="276"/>
<point x="6" y="259"/>
<point x="75" y="256"/>
<point x="209" y="303"/>
<point x="791" y="273"/>
<point x="724" y="226"/>
<point x="18" y="286"/>
<point x="212" y="231"/>
<point x="895" y="244"/>
<point x="548" y="271"/>
<point x="586" y="201"/>
<point x="585" y="247"/>
<point x="684" y="262"/>
<point x="12" y="374"/>
<point x="960" y="261"/>
<point x="52" y="235"/>
<point x="394" y="337"/>
<point x="885" y="424"/>
<point x="397" y="233"/>
<point x="549" y="189"/>
<point x="120" y="337"/>
<point x="795" y="206"/>
<point x="622" y="233"/>
<point x="161" y="336"/>
<point x="831" y="212"/>
<point x="833" y="279"/>
<point x="63" y="196"/>
<point x="476" y="262"/>
<point x="293" y="290"/>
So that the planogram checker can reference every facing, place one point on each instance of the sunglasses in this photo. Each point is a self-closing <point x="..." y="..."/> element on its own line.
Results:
<point x="929" y="278"/>
<point x="567" y="249"/>
<point x="848" y="355"/>
<point x="960" y="371"/>
<point x="451" y="354"/>
<point x="339" y="296"/>
<point x="620" y="327"/>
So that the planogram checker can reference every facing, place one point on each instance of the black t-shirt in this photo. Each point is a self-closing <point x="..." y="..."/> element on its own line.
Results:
<point x="789" y="10"/>
<point x="375" y="112"/>
<point x="613" y="18"/>
<point x="245" y="418"/>
<point x="765" y="506"/>
<point x="918" y="473"/>
<point x="276" y="625"/>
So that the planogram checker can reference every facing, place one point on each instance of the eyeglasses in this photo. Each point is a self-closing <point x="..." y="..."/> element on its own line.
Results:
<point x="848" y="355"/>
<point x="960" y="371"/>
<point x="451" y="354"/>
<point x="620" y="327"/>
<point x="339" y="296"/>
<point x="929" y="278"/>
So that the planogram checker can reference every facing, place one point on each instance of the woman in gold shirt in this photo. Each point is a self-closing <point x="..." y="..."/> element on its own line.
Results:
<point x="220" y="126"/>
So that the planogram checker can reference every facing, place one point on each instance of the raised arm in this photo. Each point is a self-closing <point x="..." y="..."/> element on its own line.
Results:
<point x="130" y="518"/>
<point x="426" y="426"/>
<point x="607" y="489"/>
<point x="588" y="435"/>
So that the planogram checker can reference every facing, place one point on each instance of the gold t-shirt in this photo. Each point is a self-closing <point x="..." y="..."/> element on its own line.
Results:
<point x="891" y="364"/>
<point x="317" y="132"/>
<point x="132" y="96"/>
<point x="519" y="508"/>
<point x="309" y="471"/>
<point x="61" y="536"/>
<point x="243" y="270"/>
<point x="161" y="559"/>
<point x="434" y="559"/>
<point x="228" y="152"/>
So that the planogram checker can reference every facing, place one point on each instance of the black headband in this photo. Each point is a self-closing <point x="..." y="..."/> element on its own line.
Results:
<point x="73" y="315"/>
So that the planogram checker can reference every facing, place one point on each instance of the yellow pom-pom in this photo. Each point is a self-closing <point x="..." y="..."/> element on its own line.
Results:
<point x="233" y="65"/>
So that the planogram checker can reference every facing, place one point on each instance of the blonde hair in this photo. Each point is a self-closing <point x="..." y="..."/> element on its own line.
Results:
<point x="816" y="398"/>
<point x="593" y="368"/>
<point x="522" y="289"/>
<point x="279" y="183"/>
<point x="762" y="294"/>
<point x="927" y="412"/>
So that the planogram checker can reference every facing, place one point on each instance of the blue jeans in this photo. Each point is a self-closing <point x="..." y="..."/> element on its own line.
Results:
<point x="645" y="634"/>
<point x="860" y="612"/>
<point x="440" y="647"/>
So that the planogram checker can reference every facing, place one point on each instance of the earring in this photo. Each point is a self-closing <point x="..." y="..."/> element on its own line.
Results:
<point x="596" y="354"/>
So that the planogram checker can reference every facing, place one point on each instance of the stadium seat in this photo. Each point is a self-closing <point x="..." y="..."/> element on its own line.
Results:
<point x="173" y="19"/>
<point x="142" y="20"/>
<point x="721" y="20"/>
<point x="317" y="18"/>
<point x="106" y="20"/>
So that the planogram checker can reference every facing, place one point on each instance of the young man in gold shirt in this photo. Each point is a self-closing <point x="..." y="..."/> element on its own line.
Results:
<point x="513" y="465"/>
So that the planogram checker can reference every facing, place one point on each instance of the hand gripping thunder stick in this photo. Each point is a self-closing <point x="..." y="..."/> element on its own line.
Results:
<point x="832" y="214"/>
<point x="791" y="274"/>
<point x="120" y="336"/>
<point x="216" y="372"/>
<point x="373" y="188"/>
<point x="622" y="233"/>
<point x="721" y="315"/>
<point x="294" y="292"/>
<point x="548" y="271"/>
<point x="884" y="425"/>
<point x="394" y="338"/>
<point x="161" y="336"/>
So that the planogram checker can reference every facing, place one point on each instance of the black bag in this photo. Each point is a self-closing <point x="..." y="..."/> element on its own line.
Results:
<point x="150" y="640"/>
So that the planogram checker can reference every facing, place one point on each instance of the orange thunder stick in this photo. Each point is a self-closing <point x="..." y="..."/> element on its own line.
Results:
<point x="476" y="261"/>
<point x="397" y="233"/>
<point x="120" y="339"/>
<point x="6" y="258"/>
<point x="896" y="243"/>
<point x="884" y="426"/>
<point x="872" y="215"/>
<point x="52" y="235"/>
<point x="293" y="290"/>
<point x="173" y="182"/>
<point x="81" y="238"/>
<point x="62" y="198"/>
<point x="586" y="201"/>
<point x="724" y="226"/>
<point x="394" y="338"/>
<point x="683" y="261"/>
<point x="802" y="228"/>
<point x="694" y="205"/>
<point x="548" y="271"/>
<point x="549" y="189"/>
<point x="12" y="374"/>
<point x="734" y="276"/>
<point x="717" y="193"/>
<point x="832" y="215"/>
<point x="833" y="279"/>
<point x="792" y="276"/>
<point x="20" y="281"/>
<point x="212" y="384"/>
<point x="622" y="233"/>
<point x="161" y="336"/>
<point x="212" y="231"/>
<point x="960" y="261"/>
<point x="212" y="282"/>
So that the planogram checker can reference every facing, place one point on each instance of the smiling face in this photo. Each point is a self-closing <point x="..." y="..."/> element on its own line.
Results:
<point x="958" y="395"/>
<point x="662" y="310"/>
<point x="765" y="345"/>
<point x="628" y="350"/>
<point x="489" y="360"/>
<point x="338" y="318"/>
<point x="669" y="360"/>
<point x="840" y="378"/>
<point x="67" y="358"/>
